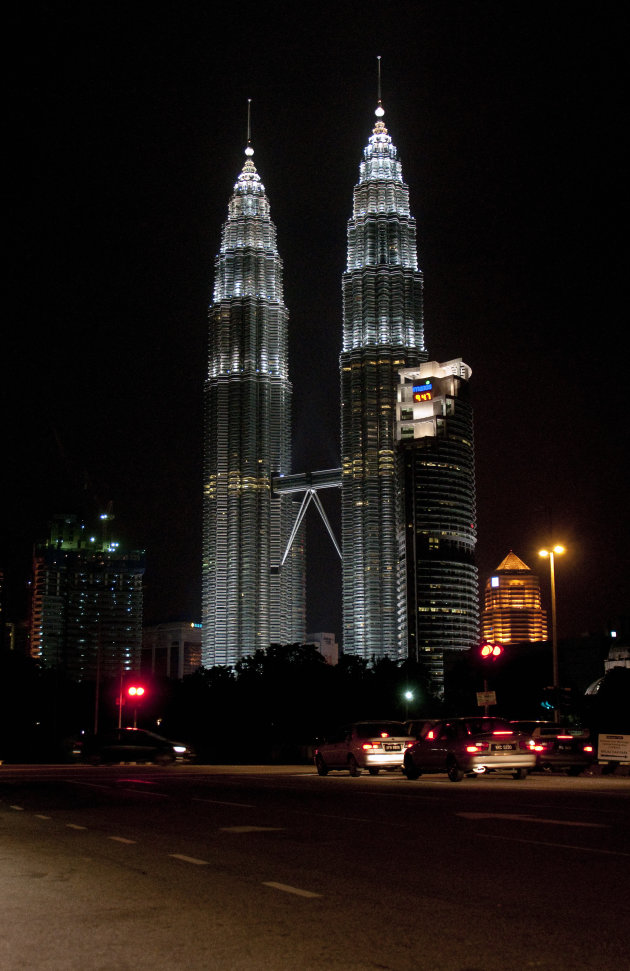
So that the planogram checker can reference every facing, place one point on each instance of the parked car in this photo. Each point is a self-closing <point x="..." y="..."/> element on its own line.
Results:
<point x="470" y="746"/>
<point x="559" y="746"/>
<point x="371" y="745"/>
<point x="134" y="745"/>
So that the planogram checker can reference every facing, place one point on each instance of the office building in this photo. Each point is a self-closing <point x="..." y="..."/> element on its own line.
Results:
<point x="86" y="611"/>
<point x="248" y="602"/>
<point x="512" y="612"/>
<point x="434" y="431"/>
<point x="382" y="334"/>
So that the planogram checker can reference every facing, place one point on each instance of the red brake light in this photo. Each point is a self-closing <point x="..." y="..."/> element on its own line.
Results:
<point x="565" y="736"/>
<point x="384" y="734"/>
<point x="430" y="734"/>
<point x="588" y="748"/>
<point x="502" y="732"/>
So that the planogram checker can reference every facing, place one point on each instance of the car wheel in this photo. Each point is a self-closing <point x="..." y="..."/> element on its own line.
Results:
<point x="320" y="765"/>
<point x="373" y="771"/>
<point x="353" y="766"/>
<point x="411" y="770"/>
<point x="164" y="758"/>
<point x="455" y="774"/>
<point x="520" y="774"/>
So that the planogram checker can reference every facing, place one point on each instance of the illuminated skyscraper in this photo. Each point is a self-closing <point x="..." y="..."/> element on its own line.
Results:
<point x="86" y="611"/>
<point x="435" y="433"/>
<point x="382" y="333"/>
<point x="247" y="601"/>
<point x="513" y="612"/>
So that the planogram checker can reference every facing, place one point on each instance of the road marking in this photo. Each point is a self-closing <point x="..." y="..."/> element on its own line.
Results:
<point x="120" y="839"/>
<point x="251" y="829"/>
<point x="41" y="816"/>
<point x="189" y="859"/>
<point x="19" y="809"/>
<point x="222" y="802"/>
<point x="287" y="889"/>
<point x="74" y="826"/>
<point x="562" y="846"/>
<point x="531" y="819"/>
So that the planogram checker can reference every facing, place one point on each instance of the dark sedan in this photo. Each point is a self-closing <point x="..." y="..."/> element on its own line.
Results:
<point x="134" y="745"/>
<point x="559" y="747"/>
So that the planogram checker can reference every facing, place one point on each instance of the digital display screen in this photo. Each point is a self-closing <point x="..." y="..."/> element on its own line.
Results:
<point x="423" y="392"/>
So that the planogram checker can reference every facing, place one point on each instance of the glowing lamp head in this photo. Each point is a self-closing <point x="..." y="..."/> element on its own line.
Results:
<point x="135" y="691"/>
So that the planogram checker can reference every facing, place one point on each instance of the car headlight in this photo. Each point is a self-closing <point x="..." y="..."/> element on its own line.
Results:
<point x="180" y="749"/>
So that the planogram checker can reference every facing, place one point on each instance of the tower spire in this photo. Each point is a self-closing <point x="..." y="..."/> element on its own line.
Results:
<point x="249" y="151"/>
<point x="380" y="111"/>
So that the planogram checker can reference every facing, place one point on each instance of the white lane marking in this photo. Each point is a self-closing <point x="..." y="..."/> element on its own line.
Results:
<point x="222" y="802"/>
<point x="562" y="846"/>
<point x="19" y="809"/>
<point x="74" y="826"/>
<point x="120" y="839"/>
<point x="41" y="816"/>
<point x="251" y="829"/>
<point x="189" y="859"/>
<point x="531" y="819"/>
<point x="287" y="889"/>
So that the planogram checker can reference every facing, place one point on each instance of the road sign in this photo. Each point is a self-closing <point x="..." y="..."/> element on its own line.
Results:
<point x="486" y="698"/>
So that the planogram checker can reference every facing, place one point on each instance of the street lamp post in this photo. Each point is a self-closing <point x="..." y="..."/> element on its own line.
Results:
<point x="554" y="633"/>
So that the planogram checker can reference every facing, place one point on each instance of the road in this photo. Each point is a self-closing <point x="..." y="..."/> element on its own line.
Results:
<point x="207" y="867"/>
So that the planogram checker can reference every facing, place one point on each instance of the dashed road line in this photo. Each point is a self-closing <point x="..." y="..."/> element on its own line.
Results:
<point x="297" y="891"/>
<point x="19" y="809"/>
<point x="251" y="829"/>
<point x="41" y="816"/>
<point x="561" y="846"/>
<point x="222" y="802"/>
<point x="74" y="826"/>
<point x="120" y="839"/>
<point x="523" y="818"/>
<point x="189" y="859"/>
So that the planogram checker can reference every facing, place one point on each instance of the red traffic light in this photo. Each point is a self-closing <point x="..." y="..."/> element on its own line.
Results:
<point x="491" y="650"/>
<point x="135" y="690"/>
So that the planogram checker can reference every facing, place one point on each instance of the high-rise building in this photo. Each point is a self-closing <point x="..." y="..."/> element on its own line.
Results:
<point x="434" y="429"/>
<point x="382" y="333"/>
<point x="86" y="611"/>
<point x="248" y="602"/>
<point x="513" y="612"/>
<point x="172" y="650"/>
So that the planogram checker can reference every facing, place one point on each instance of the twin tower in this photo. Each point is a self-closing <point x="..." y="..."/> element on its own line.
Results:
<point x="407" y="456"/>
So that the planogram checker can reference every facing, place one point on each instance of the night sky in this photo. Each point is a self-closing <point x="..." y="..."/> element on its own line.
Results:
<point x="125" y="135"/>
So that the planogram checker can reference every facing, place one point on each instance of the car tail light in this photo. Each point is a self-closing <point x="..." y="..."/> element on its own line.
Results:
<point x="477" y="747"/>
<point x="502" y="732"/>
<point x="430" y="734"/>
<point x="537" y="747"/>
<point x="371" y="745"/>
<point x="565" y="737"/>
<point x="408" y="744"/>
<point x="589" y="749"/>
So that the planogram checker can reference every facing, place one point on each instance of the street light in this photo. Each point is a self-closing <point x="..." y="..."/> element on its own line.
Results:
<point x="554" y="635"/>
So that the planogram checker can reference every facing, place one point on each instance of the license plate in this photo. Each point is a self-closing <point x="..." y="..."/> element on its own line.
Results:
<point x="565" y="748"/>
<point x="391" y="748"/>
<point x="503" y="748"/>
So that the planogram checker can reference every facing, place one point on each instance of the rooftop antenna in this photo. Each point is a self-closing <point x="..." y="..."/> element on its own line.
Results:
<point x="249" y="150"/>
<point x="380" y="111"/>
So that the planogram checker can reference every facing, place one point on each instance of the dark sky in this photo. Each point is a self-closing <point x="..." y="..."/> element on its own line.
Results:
<point x="125" y="134"/>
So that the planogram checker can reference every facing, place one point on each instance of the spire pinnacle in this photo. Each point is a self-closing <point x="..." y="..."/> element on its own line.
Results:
<point x="249" y="151"/>
<point x="380" y="111"/>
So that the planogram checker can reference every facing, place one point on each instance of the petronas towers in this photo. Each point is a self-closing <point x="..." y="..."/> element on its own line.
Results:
<point x="253" y="566"/>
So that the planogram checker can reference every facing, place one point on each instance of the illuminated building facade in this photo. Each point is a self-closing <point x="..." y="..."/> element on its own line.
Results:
<point x="86" y="609"/>
<point x="172" y="650"/>
<point x="512" y="612"/>
<point x="434" y="429"/>
<point x="382" y="333"/>
<point x="247" y="601"/>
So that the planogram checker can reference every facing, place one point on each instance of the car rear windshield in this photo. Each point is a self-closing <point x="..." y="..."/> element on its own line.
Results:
<point x="481" y="726"/>
<point x="376" y="729"/>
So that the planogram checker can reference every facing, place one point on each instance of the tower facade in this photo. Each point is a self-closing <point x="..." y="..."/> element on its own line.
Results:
<point x="513" y="611"/>
<point x="434" y="429"/>
<point x="87" y="601"/>
<point x="383" y="332"/>
<point x="247" y="602"/>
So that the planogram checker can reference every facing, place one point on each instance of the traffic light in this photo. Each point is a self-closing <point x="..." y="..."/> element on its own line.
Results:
<point x="490" y="652"/>
<point x="135" y="691"/>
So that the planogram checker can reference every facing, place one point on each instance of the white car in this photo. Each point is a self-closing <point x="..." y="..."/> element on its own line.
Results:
<point x="371" y="745"/>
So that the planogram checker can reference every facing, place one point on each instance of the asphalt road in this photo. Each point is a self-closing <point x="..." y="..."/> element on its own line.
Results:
<point x="203" y="867"/>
